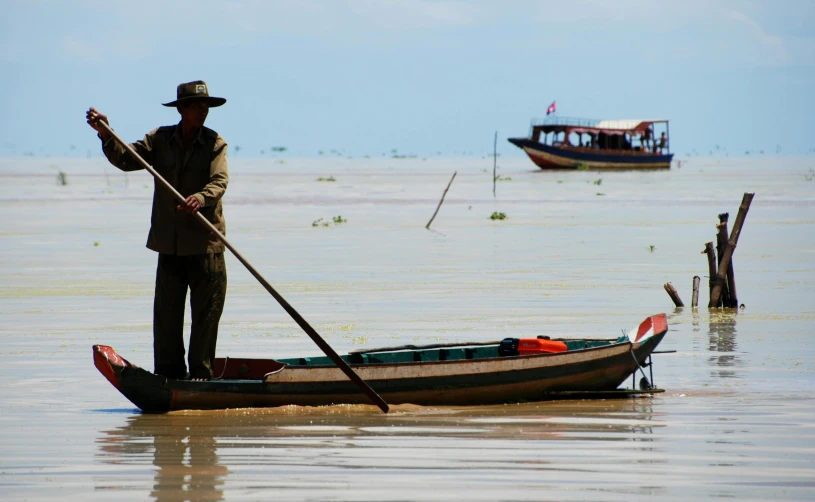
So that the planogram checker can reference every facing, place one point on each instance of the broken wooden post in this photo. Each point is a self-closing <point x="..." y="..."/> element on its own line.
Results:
<point x="732" y="297"/>
<point x="695" y="299"/>
<point x="731" y="247"/>
<point x="721" y="244"/>
<point x="674" y="294"/>
<point x="711" y="264"/>
<point x="442" y="200"/>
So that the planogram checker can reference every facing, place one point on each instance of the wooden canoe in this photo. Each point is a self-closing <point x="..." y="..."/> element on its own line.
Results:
<point x="456" y="374"/>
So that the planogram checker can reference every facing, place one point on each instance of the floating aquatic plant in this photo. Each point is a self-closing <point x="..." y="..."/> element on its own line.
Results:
<point x="498" y="216"/>
<point x="330" y="178"/>
<point x="319" y="222"/>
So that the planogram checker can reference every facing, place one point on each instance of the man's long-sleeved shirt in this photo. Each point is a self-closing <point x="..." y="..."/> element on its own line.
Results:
<point x="199" y="169"/>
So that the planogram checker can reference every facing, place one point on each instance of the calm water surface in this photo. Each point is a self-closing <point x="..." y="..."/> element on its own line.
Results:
<point x="580" y="254"/>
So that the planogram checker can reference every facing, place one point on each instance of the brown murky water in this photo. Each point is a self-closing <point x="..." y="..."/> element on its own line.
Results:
<point x="581" y="253"/>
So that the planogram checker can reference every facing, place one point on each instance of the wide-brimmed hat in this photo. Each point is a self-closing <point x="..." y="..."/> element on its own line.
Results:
<point x="194" y="91"/>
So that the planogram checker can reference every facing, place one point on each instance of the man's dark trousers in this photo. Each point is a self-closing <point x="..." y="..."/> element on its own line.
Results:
<point x="205" y="276"/>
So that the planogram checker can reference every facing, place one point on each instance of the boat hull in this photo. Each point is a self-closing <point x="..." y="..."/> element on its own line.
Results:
<point x="550" y="157"/>
<point x="461" y="382"/>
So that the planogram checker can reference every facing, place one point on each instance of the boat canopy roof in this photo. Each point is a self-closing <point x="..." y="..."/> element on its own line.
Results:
<point x="623" y="126"/>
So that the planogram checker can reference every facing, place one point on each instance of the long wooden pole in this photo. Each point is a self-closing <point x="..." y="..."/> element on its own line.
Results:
<point x="494" y="162"/>
<point x="731" y="247"/>
<point x="442" y="200"/>
<point x="282" y="301"/>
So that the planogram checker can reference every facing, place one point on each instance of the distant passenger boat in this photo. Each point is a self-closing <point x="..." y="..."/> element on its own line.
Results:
<point x="569" y="143"/>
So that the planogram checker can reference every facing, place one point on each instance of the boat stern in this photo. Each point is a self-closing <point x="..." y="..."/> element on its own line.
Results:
<point x="109" y="364"/>
<point x="645" y="338"/>
<point x="144" y="389"/>
<point x="654" y="325"/>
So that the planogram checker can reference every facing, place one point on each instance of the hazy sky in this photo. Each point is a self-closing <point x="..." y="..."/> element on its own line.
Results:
<point x="420" y="76"/>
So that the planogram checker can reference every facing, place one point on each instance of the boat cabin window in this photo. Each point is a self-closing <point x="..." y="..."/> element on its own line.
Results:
<point x="646" y="137"/>
<point x="557" y="138"/>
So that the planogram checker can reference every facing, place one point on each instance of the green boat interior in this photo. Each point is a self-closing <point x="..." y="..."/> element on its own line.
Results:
<point x="438" y="354"/>
<point x="255" y="369"/>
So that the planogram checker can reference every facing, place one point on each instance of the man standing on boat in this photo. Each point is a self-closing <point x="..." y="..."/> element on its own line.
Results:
<point x="192" y="158"/>
<point x="663" y="142"/>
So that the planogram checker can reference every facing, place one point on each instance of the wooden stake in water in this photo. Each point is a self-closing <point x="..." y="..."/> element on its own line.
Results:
<point x="732" y="299"/>
<point x="674" y="294"/>
<point x="283" y="303"/>
<point x="711" y="264"/>
<point x="442" y="200"/>
<point x="731" y="247"/>
<point x="721" y="244"/>
<point x="695" y="299"/>
<point x="494" y="162"/>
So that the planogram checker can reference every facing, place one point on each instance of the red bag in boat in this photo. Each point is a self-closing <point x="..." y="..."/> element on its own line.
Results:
<point x="528" y="346"/>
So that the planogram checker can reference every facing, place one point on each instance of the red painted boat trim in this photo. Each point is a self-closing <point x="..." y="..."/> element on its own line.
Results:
<point x="104" y="357"/>
<point x="659" y="324"/>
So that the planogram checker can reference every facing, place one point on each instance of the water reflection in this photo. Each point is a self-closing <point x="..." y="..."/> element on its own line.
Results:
<point x="598" y="420"/>
<point x="722" y="342"/>
<point x="280" y="448"/>
<point x="184" y="454"/>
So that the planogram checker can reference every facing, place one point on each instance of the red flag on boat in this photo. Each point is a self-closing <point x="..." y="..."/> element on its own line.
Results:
<point x="552" y="108"/>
